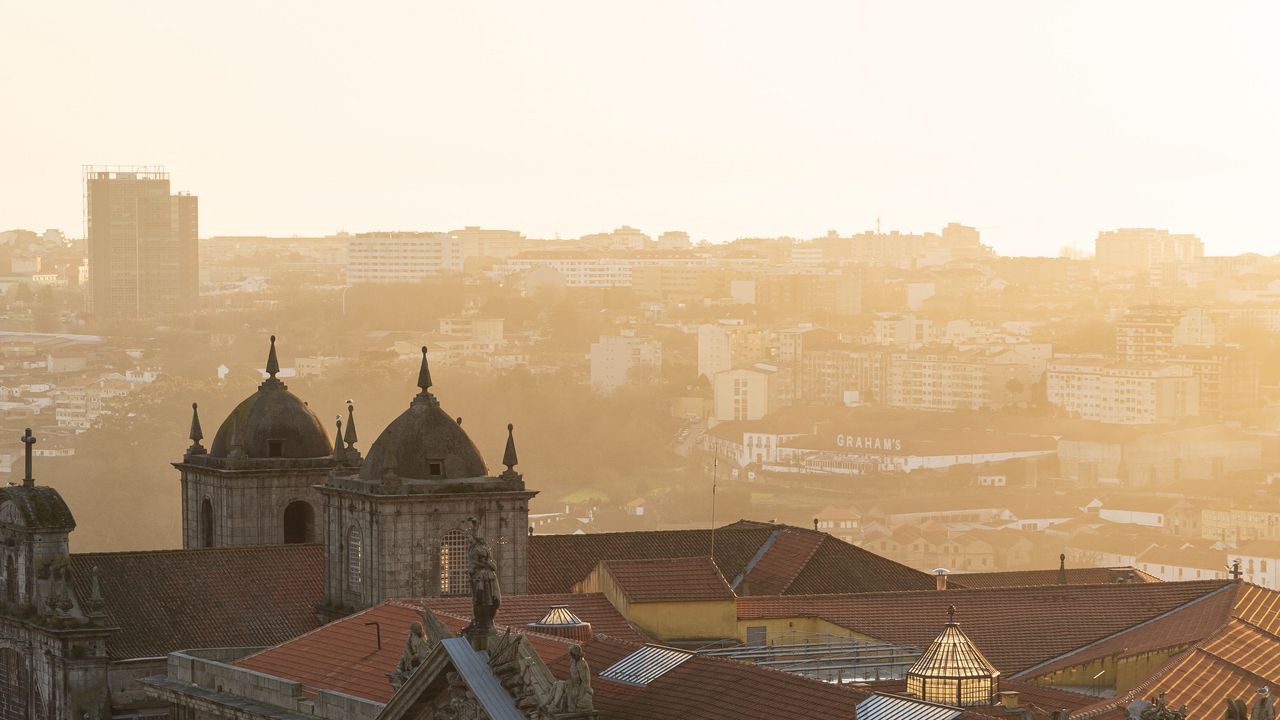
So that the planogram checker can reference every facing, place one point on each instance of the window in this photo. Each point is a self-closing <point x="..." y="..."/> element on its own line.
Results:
<point x="10" y="581"/>
<point x="355" y="559"/>
<point x="275" y="448"/>
<point x="206" y="523"/>
<point x="455" y="571"/>
<point x="299" y="523"/>
<point x="435" y="469"/>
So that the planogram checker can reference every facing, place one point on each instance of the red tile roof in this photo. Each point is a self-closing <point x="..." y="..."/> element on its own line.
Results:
<point x="710" y="688"/>
<point x="1232" y="647"/>
<point x="1234" y="663"/>
<point x="343" y="656"/>
<point x="668" y="579"/>
<point x="774" y="568"/>
<point x="1014" y="627"/>
<point x="1075" y="576"/>
<point x="517" y="611"/>
<point x="168" y="600"/>
<point x="558" y="562"/>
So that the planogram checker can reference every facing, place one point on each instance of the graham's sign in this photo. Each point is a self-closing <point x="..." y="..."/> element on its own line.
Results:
<point x="868" y="442"/>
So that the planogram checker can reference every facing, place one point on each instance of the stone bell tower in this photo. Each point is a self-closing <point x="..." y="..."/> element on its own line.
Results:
<point x="255" y="485"/>
<point x="398" y="526"/>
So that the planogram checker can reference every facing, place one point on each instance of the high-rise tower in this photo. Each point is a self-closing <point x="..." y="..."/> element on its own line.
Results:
<point x="143" y="246"/>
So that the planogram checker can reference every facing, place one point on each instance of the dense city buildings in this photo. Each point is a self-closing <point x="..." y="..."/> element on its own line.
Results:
<point x="402" y="256"/>
<point x="142" y="243"/>
<point x="1145" y="250"/>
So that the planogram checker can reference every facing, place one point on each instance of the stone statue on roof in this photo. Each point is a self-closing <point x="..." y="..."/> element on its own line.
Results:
<point x="1263" y="707"/>
<point x="574" y="694"/>
<point x="416" y="649"/>
<point x="486" y="594"/>
<point x="1237" y="710"/>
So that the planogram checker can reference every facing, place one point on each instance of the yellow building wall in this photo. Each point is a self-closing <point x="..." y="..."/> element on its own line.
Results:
<point x="667" y="621"/>
<point x="796" y="629"/>
<point x="1123" y="675"/>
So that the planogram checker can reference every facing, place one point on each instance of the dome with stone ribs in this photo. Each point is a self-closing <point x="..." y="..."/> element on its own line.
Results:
<point x="272" y="423"/>
<point x="424" y="443"/>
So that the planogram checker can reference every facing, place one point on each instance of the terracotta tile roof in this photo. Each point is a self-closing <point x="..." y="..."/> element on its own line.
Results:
<point x="168" y="600"/>
<point x="1234" y="663"/>
<point x="344" y="656"/>
<point x="669" y="579"/>
<point x="1075" y="576"/>
<point x="1232" y="645"/>
<point x="517" y="611"/>
<point x="1015" y="627"/>
<point x="774" y="567"/>
<point x="558" y="562"/>
<point x="710" y="688"/>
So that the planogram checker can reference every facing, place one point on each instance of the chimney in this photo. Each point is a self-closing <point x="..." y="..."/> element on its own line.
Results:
<point x="1009" y="699"/>
<point x="940" y="577"/>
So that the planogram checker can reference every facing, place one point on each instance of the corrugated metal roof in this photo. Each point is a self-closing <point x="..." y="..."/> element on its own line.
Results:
<point x="474" y="669"/>
<point x="645" y="665"/>
<point x="893" y="707"/>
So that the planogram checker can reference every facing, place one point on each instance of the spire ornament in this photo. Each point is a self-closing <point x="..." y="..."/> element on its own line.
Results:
<point x="349" y="437"/>
<point x="273" y="367"/>
<point x="1062" y="569"/>
<point x="424" y="384"/>
<point x="196" y="434"/>
<point x="509" y="457"/>
<point x="338" y="455"/>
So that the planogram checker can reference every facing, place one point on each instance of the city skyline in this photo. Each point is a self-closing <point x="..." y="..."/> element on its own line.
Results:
<point x="723" y="123"/>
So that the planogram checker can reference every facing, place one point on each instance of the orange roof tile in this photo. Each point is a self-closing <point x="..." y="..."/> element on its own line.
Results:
<point x="558" y="562"/>
<point x="668" y="579"/>
<point x="1015" y="627"/>
<point x="166" y="600"/>
<point x="1075" y="576"/>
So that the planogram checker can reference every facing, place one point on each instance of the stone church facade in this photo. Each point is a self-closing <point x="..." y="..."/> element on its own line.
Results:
<point x="388" y="525"/>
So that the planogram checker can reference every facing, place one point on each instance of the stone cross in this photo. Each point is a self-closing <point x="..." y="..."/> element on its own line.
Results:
<point x="28" y="439"/>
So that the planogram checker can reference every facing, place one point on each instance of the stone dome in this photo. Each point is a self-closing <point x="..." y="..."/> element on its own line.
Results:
<point x="424" y="443"/>
<point x="272" y="423"/>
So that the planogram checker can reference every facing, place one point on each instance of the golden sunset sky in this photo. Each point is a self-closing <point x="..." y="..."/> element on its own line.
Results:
<point x="1039" y="122"/>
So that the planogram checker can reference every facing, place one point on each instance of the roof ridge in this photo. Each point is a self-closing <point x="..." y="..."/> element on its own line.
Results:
<point x="997" y="589"/>
<point x="813" y="551"/>
<point x="169" y="551"/>
<point x="1025" y="673"/>
<point x="760" y="552"/>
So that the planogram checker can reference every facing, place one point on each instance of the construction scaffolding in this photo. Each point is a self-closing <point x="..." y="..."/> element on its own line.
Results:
<point x="831" y="658"/>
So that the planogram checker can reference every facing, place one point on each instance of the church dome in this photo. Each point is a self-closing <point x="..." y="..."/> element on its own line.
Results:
<point x="424" y="443"/>
<point x="272" y="423"/>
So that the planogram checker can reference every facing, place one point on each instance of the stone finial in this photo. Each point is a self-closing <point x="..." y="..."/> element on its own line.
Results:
<point x="196" y="434"/>
<point x="424" y="373"/>
<point x="350" y="435"/>
<point x="951" y="614"/>
<point x="273" y="364"/>
<point x="509" y="455"/>
<point x="337" y="440"/>
<point x="1062" y="569"/>
<point x="29" y="441"/>
<point x="96" y="605"/>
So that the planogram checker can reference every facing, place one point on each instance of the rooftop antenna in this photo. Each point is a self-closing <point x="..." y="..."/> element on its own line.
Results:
<point x="715" y="468"/>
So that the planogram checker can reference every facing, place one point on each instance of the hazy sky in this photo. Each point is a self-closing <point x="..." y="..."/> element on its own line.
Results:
<point x="1038" y="122"/>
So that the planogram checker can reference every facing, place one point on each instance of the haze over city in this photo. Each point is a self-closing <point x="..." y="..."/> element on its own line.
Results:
<point x="1038" y="122"/>
<point x="664" y="361"/>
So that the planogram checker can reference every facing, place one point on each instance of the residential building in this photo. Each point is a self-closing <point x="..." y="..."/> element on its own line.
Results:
<point x="1123" y="393"/>
<point x="620" y="359"/>
<point x="402" y="256"/>
<point x="1141" y="250"/>
<point x="943" y="378"/>
<point x="744" y="393"/>
<point x="1154" y="332"/>
<point x="714" y="352"/>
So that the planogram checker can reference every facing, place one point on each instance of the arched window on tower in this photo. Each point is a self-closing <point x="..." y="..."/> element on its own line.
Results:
<point x="10" y="581"/>
<point x="455" y="568"/>
<point x="206" y="523"/>
<point x="355" y="559"/>
<point x="299" y="522"/>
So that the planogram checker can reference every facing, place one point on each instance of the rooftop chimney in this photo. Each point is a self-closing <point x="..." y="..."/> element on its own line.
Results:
<point x="1009" y="699"/>
<point x="940" y="576"/>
